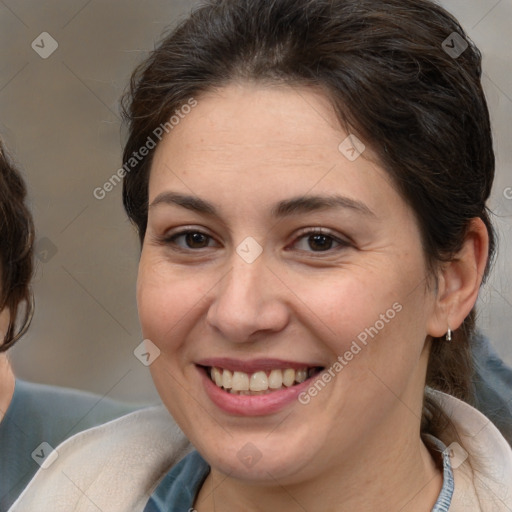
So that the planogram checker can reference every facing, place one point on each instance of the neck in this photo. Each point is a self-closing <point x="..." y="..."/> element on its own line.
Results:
<point x="391" y="470"/>
<point x="6" y="384"/>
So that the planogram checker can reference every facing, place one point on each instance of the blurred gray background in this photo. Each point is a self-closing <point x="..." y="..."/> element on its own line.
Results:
<point x="59" y="117"/>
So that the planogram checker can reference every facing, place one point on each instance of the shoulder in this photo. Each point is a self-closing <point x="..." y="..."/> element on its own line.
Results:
<point x="45" y="403"/>
<point x="41" y="415"/>
<point x="481" y="458"/>
<point x="114" y="467"/>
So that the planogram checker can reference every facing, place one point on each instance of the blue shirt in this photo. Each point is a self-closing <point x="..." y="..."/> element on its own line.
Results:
<point x="44" y="414"/>
<point x="179" y="488"/>
<point x="444" y="499"/>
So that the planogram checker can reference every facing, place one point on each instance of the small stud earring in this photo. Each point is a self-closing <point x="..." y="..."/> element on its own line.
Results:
<point x="449" y="335"/>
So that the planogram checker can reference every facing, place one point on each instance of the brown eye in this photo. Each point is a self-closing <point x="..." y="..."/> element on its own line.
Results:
<point x="189" y="240"/>
<point x="196" y="240"/>
<point x="320" y="242"/>
<point x="316" y="241"/>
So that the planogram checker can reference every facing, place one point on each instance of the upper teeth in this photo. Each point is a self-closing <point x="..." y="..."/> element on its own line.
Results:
<point x="258" y="381"/>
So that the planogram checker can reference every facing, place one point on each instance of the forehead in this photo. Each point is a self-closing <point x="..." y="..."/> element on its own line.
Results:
<point x="265" y="140"/>
<point x="257" y="119"/>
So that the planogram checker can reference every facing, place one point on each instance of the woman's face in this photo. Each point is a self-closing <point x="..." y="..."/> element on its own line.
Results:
<point x="339" y="285"/>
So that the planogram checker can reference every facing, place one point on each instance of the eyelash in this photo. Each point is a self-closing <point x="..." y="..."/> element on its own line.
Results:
<point x="170" y="240"/>
<point x="308" y="232"/>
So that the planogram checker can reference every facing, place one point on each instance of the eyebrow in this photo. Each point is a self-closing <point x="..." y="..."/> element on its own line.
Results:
<point x="185" y="201"/>
<point x="305" y="204"/>
<point x="285" y="208"/>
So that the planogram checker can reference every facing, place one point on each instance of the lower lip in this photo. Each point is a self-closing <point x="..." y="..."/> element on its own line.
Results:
<point x="247" y="405"/>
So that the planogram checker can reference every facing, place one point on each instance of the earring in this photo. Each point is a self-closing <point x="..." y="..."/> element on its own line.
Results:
<point x="448" y="336"/>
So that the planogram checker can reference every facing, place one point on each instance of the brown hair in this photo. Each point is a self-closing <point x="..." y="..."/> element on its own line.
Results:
<point x="383" y="66"/>
<point x="16" y="249"/>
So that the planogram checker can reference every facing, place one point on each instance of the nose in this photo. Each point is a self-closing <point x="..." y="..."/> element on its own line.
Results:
<point x="248" y="302"/>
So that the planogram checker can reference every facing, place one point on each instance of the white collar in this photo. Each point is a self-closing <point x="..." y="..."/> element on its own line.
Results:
<point x="481" y="461"/>
<point x="116" y="466"/>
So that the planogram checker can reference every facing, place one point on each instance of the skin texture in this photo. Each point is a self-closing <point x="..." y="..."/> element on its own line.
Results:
<point x="356" y="445"/>
<point x="6" y="375"/>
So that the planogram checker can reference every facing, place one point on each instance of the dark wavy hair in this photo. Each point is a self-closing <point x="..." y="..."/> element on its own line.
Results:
<point x="16" y="250"/>
<point x="382" y="65"/>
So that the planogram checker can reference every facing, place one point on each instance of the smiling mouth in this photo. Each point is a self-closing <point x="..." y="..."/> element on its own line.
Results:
<point x="260" y="382"/>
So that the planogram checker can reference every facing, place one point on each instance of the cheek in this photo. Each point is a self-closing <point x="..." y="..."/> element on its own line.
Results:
<point x="169" y="300"/>
<point x="343" y="305"/>
<point x="161" y="301"/>
<point x="377" y="318"/>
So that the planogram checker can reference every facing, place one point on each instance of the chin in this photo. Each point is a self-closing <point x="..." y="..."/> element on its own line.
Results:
<point x="260" y="459"/>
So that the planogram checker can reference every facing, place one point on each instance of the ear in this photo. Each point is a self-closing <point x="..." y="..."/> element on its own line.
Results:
<point x="459" y="281"/>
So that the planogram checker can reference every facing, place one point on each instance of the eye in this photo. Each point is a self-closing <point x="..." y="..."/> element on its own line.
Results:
<point x="318" y="240"/>
<point x="189" y="239"/>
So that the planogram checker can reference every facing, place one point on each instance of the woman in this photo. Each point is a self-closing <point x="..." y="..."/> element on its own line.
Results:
<point x="314" y="235"/>
<point x="30" y="414"/>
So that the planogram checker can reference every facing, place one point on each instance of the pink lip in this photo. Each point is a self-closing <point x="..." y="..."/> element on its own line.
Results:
<point x="257" y="405"/>
<point x="254" y="365"/>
